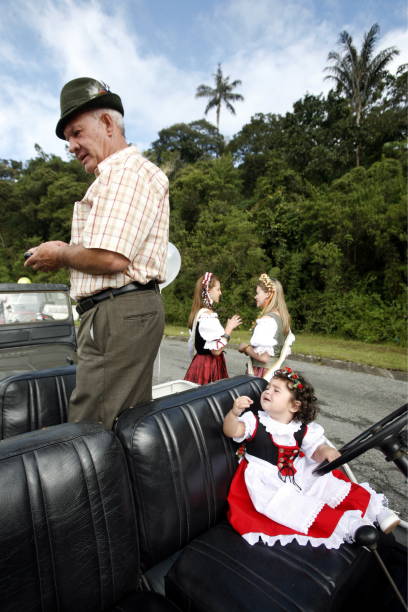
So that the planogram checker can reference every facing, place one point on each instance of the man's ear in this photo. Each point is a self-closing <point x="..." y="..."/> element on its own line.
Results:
<point x="107" y="122"/>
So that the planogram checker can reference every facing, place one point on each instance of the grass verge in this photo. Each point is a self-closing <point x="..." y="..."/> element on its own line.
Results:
<point x="388" y="356"/>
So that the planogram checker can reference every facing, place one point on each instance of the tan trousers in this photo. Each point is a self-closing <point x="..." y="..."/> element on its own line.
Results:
<point x="118" y="340"/>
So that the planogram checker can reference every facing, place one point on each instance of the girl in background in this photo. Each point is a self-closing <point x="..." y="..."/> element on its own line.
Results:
<point x="207" y="336"/>
<point x="271" y="328"/>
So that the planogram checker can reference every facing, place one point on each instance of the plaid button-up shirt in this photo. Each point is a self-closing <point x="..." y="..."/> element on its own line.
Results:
<point x="125" y="210"/>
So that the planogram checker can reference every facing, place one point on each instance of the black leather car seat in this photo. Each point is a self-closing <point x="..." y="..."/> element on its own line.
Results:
<point x="34" y="400"/>
<point x="68" y="535"/>
<point x="181" y="467"/>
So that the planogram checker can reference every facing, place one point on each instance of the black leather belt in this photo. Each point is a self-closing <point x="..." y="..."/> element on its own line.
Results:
<point x="87" y="303"/>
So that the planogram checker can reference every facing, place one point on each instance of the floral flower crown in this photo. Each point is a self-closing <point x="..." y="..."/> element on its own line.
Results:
<point x="292" y="377"/>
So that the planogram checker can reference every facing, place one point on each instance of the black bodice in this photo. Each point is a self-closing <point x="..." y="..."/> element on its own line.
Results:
<point x="263" y="446"/>
<point x="199" y="344"/>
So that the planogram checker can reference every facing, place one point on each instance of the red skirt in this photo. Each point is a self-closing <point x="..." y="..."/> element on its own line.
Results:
<point x="244" y="518"/>
<point x="207" y="368"/>
<point x="259" y="371"/>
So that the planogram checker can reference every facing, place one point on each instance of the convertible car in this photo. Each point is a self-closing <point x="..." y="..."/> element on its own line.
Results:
<point x="134" y="519"/>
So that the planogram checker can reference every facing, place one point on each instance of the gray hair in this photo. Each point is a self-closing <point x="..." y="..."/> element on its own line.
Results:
<point x="115" y="116"/>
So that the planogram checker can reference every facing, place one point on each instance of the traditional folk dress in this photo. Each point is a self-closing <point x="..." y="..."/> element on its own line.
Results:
<point x="267" y="337"/>
<point x="275" y="497"/>
<point x="206" y="336"/>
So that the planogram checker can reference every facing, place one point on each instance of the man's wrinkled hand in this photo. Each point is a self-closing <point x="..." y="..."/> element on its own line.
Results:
<point x="46" y="256"/>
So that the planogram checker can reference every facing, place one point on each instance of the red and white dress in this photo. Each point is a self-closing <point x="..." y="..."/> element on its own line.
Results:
<point x="274" y="497"/>
<point x="206" y="336"/>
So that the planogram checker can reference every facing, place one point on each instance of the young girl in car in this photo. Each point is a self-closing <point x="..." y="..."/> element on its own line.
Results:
<point x="207" y="336"/>
<point x="274" y="496"/>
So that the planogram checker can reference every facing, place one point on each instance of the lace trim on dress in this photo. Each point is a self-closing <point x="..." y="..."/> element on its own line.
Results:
<point x="341" y="495"/>
<point x="208" y="315"/>
<point x="340" y="535"/>
<point x="378" y="501"/>
<point x="334" y="541"/>
<point x="275" y="427"/>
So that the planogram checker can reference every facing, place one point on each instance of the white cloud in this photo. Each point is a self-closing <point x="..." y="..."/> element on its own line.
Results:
<point x="279" y="55"/>
<point x="27" y="117"/>
<point x="278" y="48"/>
<point x="83" y="41"/>
<point x="396" y="38"/>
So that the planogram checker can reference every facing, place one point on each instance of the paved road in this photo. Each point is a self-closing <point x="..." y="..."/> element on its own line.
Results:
<point x="350" y="402"/>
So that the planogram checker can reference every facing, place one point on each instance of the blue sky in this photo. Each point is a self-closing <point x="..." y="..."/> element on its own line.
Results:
<point x="155" y="53"/>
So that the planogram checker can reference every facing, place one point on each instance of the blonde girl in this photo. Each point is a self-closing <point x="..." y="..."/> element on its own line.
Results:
<point x="271" y="329"/>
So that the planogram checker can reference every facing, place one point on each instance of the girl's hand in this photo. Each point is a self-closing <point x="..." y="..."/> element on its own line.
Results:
<point x="232" y="427"/>
<point x="241" y="404"/>
<point x="232" y="323"/>
<point x="242" y="347"/>
<point x="331" y="453"/>
<point x="324" y="451"/>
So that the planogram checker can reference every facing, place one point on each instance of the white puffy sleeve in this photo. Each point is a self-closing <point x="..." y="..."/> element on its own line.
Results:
<point x="211" y="331"/>
<point x="249" y="420"/>
<point x="314" y="437"/>
<point x="263" y="338"/>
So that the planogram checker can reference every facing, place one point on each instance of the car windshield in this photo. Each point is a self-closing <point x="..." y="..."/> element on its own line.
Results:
<point x="41" y="306"/>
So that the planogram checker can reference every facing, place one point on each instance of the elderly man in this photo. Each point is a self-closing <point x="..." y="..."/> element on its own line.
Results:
<point x="117" y="255"/>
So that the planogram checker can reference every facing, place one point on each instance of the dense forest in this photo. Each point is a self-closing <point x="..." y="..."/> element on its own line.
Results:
<point x="314" y="197"/>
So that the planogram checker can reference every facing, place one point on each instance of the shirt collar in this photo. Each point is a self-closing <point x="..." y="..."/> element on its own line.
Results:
<point x="276" y="427"/>
<point x="111" y="159"/>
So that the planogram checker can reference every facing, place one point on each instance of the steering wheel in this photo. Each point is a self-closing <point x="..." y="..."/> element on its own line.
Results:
<point x="373" y="437"/>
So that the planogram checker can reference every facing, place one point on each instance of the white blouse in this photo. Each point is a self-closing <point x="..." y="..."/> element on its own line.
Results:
<point x="263" y="337"/>
<point x="211" y="331"/>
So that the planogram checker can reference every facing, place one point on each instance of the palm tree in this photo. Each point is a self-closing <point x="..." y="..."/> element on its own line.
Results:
<point x="222" y="93"/>
<point x="360" y="76"/>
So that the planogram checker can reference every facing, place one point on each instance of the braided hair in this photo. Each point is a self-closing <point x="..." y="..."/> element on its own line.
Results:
<point x="276" y="299"/>
<point x="200" y="297"/>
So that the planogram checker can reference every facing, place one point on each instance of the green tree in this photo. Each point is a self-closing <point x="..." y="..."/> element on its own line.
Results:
<point x="397" y="94"/>
<point x="277" y="212"/>
<point x="360" y="76"/>
<point x="37" y="202"/>
<point x="197" y="184"/>
<point x="187" y="142"/>
<point x="46" y="194"/>
<point x="222" y="93"/>
<point x="225" y="242"/>
<point x="386" y="124"/>
<point x="318" y="138"/>
<point x="253" y="144"/>
<point x="10" y="169"/>
<point x="364" y="214"/>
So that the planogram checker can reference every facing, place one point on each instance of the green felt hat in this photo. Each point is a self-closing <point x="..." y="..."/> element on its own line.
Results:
<point x="85" y="94"/>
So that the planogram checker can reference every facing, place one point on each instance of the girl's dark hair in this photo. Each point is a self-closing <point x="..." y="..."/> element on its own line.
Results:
<point x="303" y="392"/>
